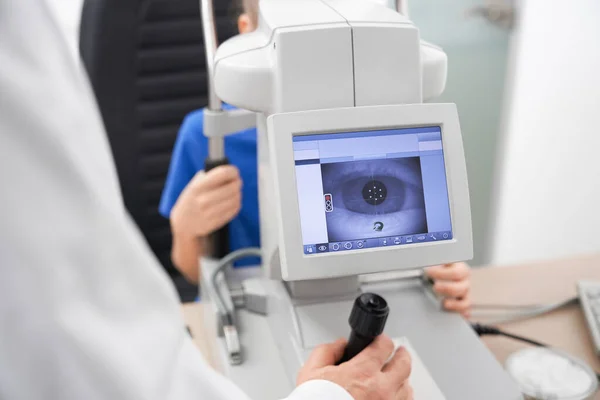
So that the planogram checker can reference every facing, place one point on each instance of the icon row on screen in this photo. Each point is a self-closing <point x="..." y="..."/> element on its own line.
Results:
<point x="377" y="242"/>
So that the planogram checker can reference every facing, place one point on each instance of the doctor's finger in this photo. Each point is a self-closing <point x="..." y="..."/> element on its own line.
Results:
<point x="405" y="393"/>
<point x="400" y="366"/>
<point x="326" y="354"/>
<point x="377" y="353"/>
<point x="449" y="272"/>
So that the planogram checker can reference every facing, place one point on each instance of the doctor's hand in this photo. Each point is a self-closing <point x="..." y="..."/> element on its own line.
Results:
<point x="367" y="376"/>
<point x="453" y="281"/>
<point x="209" y="201"/>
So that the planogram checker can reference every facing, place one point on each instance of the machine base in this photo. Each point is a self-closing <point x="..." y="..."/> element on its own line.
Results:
<point x="450" y="362"/>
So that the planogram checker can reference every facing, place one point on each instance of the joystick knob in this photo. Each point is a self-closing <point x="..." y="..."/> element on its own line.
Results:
<point x="367" y="320"/>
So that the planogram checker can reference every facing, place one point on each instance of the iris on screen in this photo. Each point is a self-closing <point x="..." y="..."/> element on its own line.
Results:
<point x="369" y="193"/>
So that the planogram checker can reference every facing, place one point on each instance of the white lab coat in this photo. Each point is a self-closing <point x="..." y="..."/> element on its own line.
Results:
<point x="86" y="311"/>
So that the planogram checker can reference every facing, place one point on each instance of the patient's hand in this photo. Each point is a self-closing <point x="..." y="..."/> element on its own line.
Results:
<point x="208" y="202"/>
<point x="453" y="281"/>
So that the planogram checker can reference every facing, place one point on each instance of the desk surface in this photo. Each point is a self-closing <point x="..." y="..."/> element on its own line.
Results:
<point x="545" y="282"/>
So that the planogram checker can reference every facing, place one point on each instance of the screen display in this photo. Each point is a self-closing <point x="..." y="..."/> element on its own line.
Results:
<point x="360" y="190"/>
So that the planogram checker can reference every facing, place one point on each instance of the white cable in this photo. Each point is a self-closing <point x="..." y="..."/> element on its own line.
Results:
<point x="528" y="313"/>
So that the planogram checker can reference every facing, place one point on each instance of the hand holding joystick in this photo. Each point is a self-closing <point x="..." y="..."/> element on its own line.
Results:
<point x="367" y="320"/>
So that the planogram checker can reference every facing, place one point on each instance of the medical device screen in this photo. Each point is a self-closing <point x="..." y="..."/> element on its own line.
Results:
<point x="360" y="190"/>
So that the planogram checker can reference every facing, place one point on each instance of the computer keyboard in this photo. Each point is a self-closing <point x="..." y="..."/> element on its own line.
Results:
<point x="589" y="297"/>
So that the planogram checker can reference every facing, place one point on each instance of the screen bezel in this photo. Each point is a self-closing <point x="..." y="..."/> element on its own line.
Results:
<point x="295" y="265"/>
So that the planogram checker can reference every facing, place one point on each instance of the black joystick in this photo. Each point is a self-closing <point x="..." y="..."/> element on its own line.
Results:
<point x="367" y="320"/>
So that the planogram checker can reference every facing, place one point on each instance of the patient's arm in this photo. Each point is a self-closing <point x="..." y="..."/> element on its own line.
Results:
<point x="185" y="254"/>
<point x="209" y="201"/>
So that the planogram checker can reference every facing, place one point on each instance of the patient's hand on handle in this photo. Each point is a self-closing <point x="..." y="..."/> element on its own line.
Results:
<point x="210" y="201"/>
<point x="367" y="376"/>
<point x="453" y="281"/>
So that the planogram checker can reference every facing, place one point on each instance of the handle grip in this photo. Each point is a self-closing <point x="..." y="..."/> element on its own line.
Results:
<point x="356" y="344"/>
<point x="367" y="320"/>
<point x="219" y="240"/>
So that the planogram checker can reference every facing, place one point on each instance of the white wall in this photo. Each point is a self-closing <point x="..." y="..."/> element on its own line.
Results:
<point x="477" y="59"/>
<point x="548" y="189"/>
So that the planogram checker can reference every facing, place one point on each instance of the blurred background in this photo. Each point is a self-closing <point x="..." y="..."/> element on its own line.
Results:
<point x="526" y="78"/>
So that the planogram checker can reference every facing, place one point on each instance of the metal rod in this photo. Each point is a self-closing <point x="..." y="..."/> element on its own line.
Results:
<point x="402" y="7"/>
<point x="210" y="48"/>
<point x="216" y="148"/>
<point x="218" y="242"/>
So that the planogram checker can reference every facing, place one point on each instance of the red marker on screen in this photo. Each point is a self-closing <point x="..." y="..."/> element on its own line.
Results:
<point x="328" y="203"/>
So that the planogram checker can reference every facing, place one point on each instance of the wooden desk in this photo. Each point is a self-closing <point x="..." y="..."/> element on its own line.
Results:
<point x="545" y="282"/>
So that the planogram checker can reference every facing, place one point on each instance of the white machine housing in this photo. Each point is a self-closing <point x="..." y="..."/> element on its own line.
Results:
<point x="322" y="57"/>
<point x="327" y="66"/>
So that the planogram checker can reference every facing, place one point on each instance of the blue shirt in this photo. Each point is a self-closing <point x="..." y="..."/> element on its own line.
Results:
<point x="189" y="155"/>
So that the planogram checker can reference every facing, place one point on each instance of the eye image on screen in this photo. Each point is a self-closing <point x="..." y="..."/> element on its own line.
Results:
<point x="374" y="198"/>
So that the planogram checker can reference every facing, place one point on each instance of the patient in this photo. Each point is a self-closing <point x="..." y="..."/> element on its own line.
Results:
<point x="198" y="203"/>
